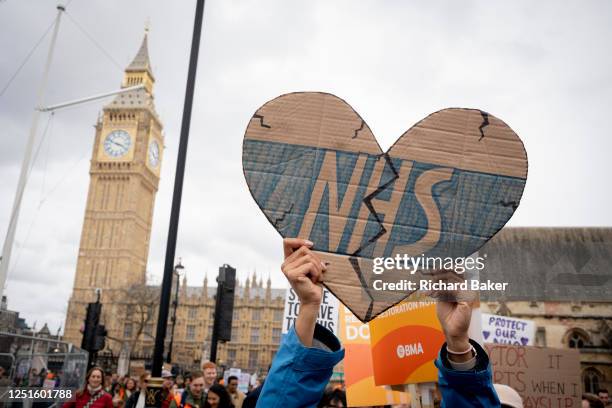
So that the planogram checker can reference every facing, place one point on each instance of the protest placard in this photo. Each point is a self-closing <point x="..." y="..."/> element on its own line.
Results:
<point x="405" y="341"/>
<point x="243" y="382"/>
<point x="231" y="372"/>
<point x="328" y="311"/>
<point x="317" y="172"/>
<point x="544" y="377"/>
<point x="507" y="330"/>
<point x="358" y="370"/>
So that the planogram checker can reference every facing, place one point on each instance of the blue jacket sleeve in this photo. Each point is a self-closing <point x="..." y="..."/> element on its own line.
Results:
<point x="471" y="388"/>
<point x="299" y="374"/>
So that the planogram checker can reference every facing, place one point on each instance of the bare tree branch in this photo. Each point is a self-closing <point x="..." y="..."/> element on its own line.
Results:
<point x="139" y="301"/>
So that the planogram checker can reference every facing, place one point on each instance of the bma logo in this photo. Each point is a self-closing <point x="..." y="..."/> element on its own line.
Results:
<point x="407" y="350"/>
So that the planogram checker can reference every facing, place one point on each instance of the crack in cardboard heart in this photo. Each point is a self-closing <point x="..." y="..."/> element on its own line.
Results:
<point x="512" y="204"/>
<point x="359" y="130"/>
<point x="367" y="201"/>
<point x="280" y="219"/>
<point x="485" y="123"/>
<point x="261" y="122"/>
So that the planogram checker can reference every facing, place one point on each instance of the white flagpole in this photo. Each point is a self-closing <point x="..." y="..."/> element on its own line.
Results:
<point x="25" y="165"/>
<point x="90" y="98"/>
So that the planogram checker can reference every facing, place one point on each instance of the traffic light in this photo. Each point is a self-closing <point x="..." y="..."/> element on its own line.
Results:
<point x="91" y="323"/>
<point x="100" y="338"/>
<point x="94" y="334"/>
<point x="224" y="307"/>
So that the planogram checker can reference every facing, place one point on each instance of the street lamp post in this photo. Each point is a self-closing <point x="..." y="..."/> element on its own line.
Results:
<point x="177" y="267"/>
<point x="166" y="287"/>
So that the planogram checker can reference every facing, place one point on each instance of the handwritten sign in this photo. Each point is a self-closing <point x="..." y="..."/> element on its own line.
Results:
<point x="444" y="188"/>
<point x="544" y="377"/>
<point x="328" y="311"/>
<point x="507" y="330"/>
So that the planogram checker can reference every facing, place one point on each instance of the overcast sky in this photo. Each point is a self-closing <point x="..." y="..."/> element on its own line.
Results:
<point x="542" y="67"/>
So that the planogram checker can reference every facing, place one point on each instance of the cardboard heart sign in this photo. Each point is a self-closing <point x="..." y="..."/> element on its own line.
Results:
<point x="444" y="188"/>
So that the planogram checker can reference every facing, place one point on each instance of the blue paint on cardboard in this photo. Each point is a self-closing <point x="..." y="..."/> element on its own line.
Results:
<point x="282" y="178"/>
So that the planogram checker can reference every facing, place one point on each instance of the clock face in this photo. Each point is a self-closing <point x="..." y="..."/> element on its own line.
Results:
<point x="117" y="143"/>
<point x="154" y="153"/>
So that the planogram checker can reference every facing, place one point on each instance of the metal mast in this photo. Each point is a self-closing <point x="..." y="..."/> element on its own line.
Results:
<point x="27" y="158"/>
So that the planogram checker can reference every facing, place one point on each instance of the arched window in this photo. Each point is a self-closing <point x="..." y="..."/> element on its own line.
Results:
<point x="577" y="338"/>
<point x="591" y="379"/>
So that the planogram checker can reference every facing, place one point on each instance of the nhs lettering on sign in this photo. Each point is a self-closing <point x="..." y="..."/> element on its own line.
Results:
<point x="507" y="330"/>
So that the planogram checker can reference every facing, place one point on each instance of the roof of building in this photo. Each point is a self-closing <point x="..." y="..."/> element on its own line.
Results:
<point x="240" y="291"/>
<point x="141" y="61"/>
<point x="44" y="330"/>
<point x="196" y="291"/>
<point x="139" y="98"/>
<point x="136" y="99"/>
<point x="550" y="264"/>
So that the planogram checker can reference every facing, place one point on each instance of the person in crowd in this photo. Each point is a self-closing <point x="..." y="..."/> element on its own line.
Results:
<point x="236" y="395"/>
<point x="194" y="395"/>
<point x="59" y="377"/>
<point x="179" y="383"/>
<point x="93" y="394"/>
<point x="187" y="380"/>
<point x="304" y="362"/>
<point x="218" y="397"/>
<point x="167" y="388"/>
<point x="131" y="385"/>
<point x="124" y="392"/>
<point x="333" y="398"/>
<point x="591" y="401"/>
<point x="108" y="383"/>
<point x="42" y="376"/>
<point x="210" y="374"/>
<point x="31" y="380"/>
<point x="602" y="393"/>
<point x="4" y="380"/>
<point x="250" y="401"/>
<point x="137" y="399"/>
<point x="114" y="383"/>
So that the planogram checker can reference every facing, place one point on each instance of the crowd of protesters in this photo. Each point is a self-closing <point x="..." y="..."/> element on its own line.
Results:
<point x="199" y="389"/>
<point x="204" y="389"/>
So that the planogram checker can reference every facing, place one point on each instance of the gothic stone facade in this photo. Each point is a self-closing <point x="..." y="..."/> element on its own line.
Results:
<point x="561" y="278"/>
<point x="256" y="327"/>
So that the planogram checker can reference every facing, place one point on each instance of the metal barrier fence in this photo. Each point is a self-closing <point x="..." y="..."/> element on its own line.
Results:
<point x="29" y="361"/>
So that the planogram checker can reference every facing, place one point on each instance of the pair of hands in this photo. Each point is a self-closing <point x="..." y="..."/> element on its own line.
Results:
<point x="305" y="272"/>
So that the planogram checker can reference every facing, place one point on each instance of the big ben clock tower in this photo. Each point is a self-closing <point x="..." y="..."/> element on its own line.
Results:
<point x="124" y="176"/>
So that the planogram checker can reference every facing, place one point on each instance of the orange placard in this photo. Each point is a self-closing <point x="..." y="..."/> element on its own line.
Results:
<point x="358" y="371"/>
<point x="405" y="341"/>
